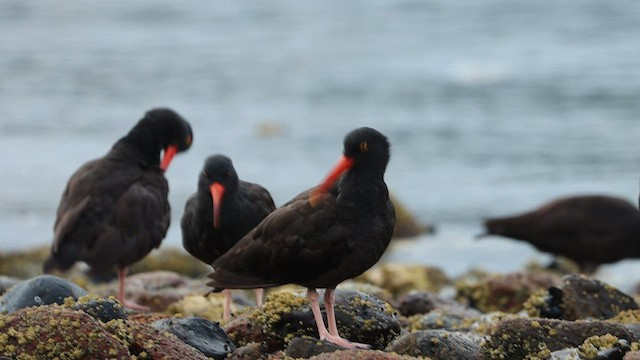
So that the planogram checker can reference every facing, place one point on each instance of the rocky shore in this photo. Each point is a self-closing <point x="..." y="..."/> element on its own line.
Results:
<point x="402" y="311"/>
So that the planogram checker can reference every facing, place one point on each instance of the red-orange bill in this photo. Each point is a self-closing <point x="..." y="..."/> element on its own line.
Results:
<point x="169" y="153"/>
<point x="344" y="164"/>
<point x="217" y="192"/>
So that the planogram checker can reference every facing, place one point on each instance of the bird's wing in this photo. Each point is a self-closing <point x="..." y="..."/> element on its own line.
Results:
<point x="294" y="243"/>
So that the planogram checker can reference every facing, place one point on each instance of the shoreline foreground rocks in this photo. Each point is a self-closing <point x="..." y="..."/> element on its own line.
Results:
<point x="522" y="315"/>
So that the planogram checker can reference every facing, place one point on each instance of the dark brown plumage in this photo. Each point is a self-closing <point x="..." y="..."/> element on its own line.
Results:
<point x="114" y="209"/>
<point x="323" y="236"/>
<point x="590" y="230"/>
<point x="222" y="211"/>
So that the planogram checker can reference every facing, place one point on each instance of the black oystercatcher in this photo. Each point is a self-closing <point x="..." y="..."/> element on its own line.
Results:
<point x="222" y="211"/>
<point x="590" y="230"/>
<point x="323" y="236"/>
<point x="114" y="210"/>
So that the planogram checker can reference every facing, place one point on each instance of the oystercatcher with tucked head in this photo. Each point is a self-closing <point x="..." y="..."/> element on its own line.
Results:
<point x="590" y="230"/>
<point x="220" y="213"/>
<point x="325" y="235"/>
<point x="114" y="209"/>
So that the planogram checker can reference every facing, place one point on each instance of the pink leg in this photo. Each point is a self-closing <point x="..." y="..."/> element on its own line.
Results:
<point x="259" y="296"/>
<point x="324" y="334"/>
<point x="226" y="316"/>
<point x="122" y="274"/>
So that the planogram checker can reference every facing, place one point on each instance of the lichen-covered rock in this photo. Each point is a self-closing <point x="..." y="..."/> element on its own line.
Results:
<point x="603" y="347"/>
<point x="209" y="338"/>
<point x="102" y="309"/>
<point x="360" y="317"/>
<point x="448" y="318"/>
<point x="506" y="293"/>
<point x="40" y="290"/>
<point x="522" y="338"/>
<point x="48" y="332"/>
<point x="580" y="297"/>
<point x="401" y="278"/>
<point x="380" y="293"/>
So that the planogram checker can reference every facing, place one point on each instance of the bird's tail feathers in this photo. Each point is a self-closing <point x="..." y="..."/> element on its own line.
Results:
<point x="222" y="279"/>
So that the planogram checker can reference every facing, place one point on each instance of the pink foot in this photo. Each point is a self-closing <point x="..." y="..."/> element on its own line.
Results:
<point x="134" y="306"/>
<point x="345" y="343"/>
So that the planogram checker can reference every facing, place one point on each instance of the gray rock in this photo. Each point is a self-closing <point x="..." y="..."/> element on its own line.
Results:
<point x="208" y="337"/>
<point x="7" y="282"/>
<point x="439" y="344"/>
<point x="40" y="290"/>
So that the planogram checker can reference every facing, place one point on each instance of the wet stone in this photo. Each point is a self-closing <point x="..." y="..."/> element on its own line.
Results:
<point x="204" y="335"/>
<point x="41" y="290"/>
<point x="7" y="282"/>
<point x="521" y="338"/>
<point x="438" y="344"/>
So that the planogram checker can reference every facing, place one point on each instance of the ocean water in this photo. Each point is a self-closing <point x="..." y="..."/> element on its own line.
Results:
<point x="491" y="107"/>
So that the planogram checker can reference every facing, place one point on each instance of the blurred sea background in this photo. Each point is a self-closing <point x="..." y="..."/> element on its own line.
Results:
<point x="492" y="107"/>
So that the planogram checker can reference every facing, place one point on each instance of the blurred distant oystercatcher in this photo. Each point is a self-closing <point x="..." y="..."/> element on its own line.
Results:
<point x="325" y="235"/>
<point x="590" y="230"/>
<point x="114" y="210"/>
<point x="221" y="212"/>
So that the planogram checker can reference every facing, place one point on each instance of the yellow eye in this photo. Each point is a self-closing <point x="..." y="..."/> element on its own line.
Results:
<point x="205" y="173"/>
<point x="188" y="140"/>
<point x="364" y="147"/>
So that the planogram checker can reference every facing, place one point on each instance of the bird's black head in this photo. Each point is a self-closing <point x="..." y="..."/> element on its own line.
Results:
<point x="367" y="148"/>
<point x="161" y="129"/>
<point x="218" y="168"/>
<point x="218" y="179"/>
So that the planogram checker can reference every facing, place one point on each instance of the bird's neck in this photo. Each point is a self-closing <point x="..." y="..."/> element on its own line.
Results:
<point x="363" y="191"/>
<point x="135" y="147"/>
